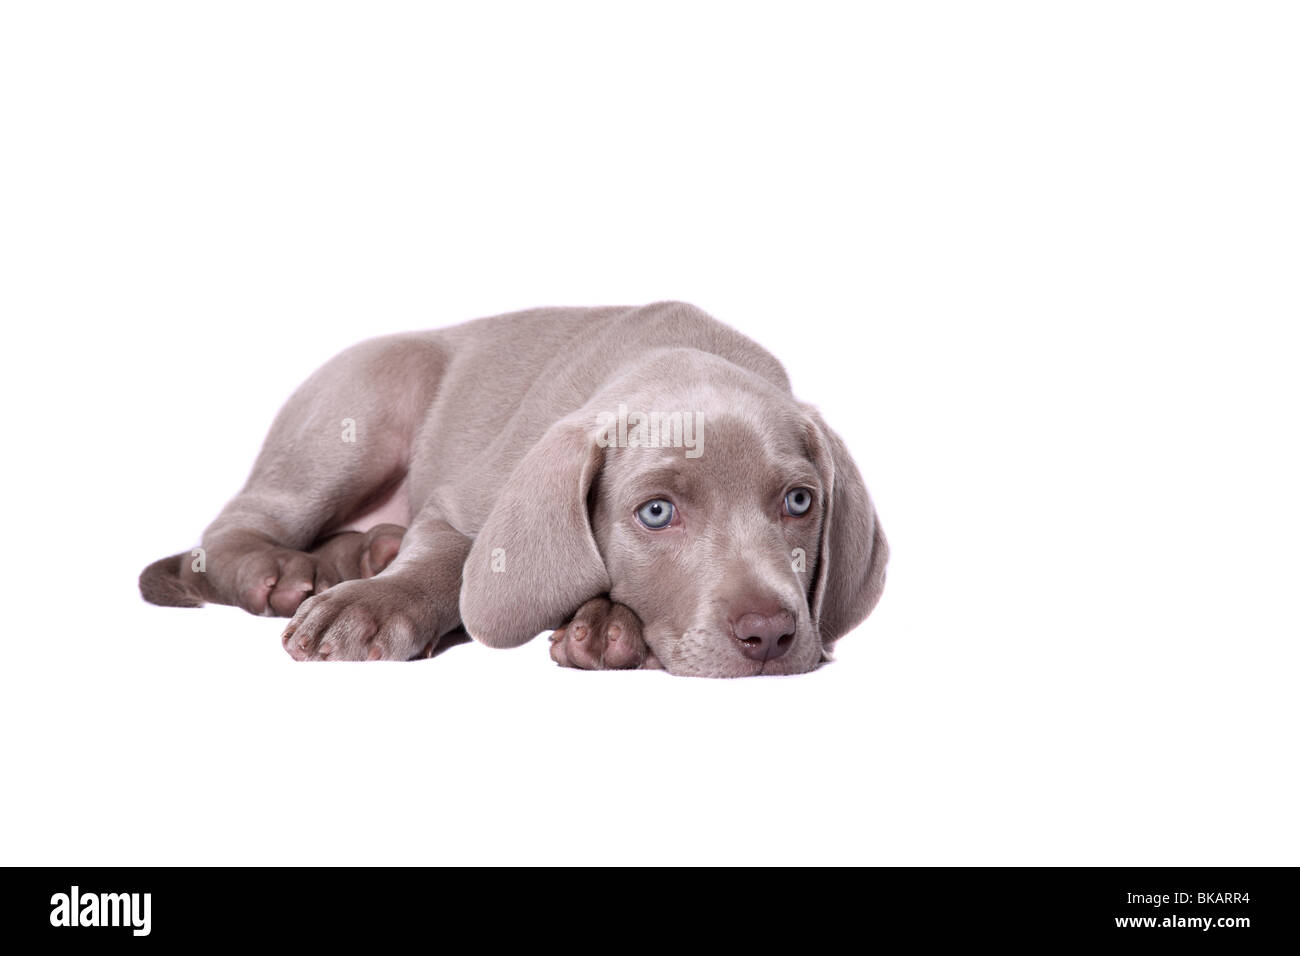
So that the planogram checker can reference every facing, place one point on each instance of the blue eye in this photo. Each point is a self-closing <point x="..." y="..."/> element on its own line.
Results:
<point x="798" y="501"/>
<point x="656" y="514"/>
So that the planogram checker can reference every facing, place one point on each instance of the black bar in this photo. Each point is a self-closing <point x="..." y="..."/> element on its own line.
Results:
<point x="1225" y="907"/>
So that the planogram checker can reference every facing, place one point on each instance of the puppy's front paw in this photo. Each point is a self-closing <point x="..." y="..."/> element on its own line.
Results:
<point x="601" y="636"/>
<point x="366" y="620"/>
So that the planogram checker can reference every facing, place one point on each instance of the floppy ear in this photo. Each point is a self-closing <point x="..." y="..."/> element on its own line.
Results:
<point x="535" y="562"/>
<point x="853" y="552"/>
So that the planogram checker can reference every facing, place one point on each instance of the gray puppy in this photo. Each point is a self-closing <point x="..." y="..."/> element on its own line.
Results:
<point x="639" y="480"/>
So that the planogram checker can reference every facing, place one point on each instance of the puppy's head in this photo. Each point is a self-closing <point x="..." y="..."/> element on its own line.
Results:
<point x="747" y="548"/>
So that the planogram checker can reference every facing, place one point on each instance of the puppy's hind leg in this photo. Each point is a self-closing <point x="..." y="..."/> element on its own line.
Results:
<point x="349" y="555"/>
<point x="340" y="443"/>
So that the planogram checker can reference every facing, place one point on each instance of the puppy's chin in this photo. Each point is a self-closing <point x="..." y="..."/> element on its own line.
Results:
<point x="701" y="653"/>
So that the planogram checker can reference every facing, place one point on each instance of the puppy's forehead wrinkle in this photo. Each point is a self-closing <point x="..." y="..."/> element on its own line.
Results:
<point x="748" y="472"/>
<point x="658" y="479"/>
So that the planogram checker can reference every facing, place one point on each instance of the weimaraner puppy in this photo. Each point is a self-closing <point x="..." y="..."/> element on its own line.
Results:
<point x="640" y="481"/>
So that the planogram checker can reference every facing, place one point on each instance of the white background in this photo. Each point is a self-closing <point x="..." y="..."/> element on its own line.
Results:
<point x="1036" y="262"/>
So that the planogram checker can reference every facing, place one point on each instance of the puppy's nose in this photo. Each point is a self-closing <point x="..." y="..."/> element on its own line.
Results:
<point x="764" y="637"/>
